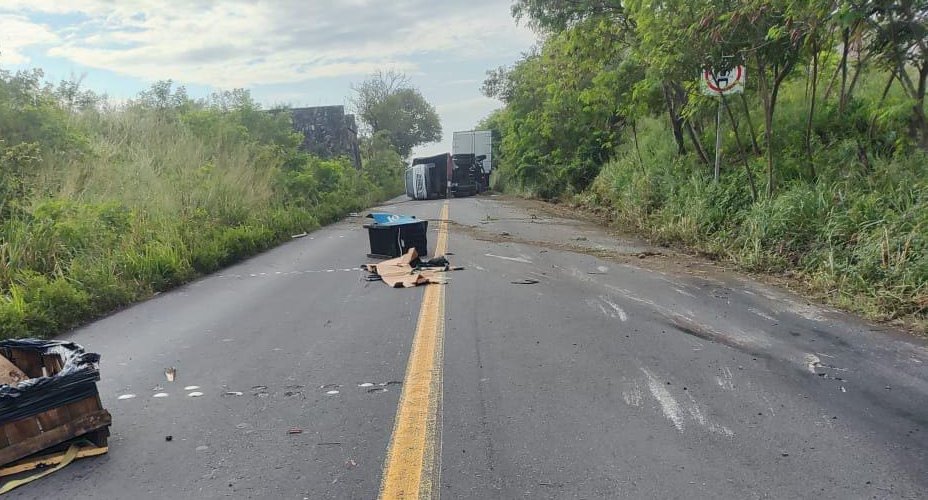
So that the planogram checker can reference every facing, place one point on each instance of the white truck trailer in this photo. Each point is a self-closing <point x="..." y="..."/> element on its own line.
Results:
<point x="478" y="143"/>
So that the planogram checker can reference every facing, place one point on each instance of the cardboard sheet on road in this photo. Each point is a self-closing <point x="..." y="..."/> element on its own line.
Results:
<point x="399" y="272"/>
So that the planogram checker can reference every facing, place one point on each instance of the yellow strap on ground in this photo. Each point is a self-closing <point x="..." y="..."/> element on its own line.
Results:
<point x="69" y="457"/>
<point x="411" y="469"/>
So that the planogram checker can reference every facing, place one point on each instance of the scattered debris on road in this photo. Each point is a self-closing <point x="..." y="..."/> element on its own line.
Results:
<point x="170" y="373"/>
<point x="301" y="235"/>
<point x="408" y="271"/>
<point x="294" y="430"/>
<point x="526" y="281"/>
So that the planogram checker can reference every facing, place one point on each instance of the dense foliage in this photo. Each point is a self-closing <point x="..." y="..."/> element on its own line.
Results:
<point x="101" y="206"/>
<point x="391" y="107"/>
<point x="824" y="167"/>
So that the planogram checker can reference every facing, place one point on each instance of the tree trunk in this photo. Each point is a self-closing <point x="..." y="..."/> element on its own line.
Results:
<point x="741" y="152"/>
<point x="889" y="84"/>
<point x="846" y="38"/>
<point x="920" y="121"/>
<point x="834" y="75"/>
<point x="676" y="123"/>
<point x="812" y="111"/>
<point x="858" y="69"/>
<point x="637" y="147"/>
<point x="768" y="122"/>
<point x="747" y="115"/>
<point x="697" y="144"/>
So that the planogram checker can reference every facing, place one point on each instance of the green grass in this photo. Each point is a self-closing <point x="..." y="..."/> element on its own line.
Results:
<point x="105" y="208"/>
<point x="857" y="235"/>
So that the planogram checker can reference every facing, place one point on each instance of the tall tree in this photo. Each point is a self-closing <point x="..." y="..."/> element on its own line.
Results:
<point x="900" y="40"/>
<point x="388" y="104"/>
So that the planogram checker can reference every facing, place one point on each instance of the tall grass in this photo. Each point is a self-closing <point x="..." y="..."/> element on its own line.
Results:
<point x="103" y="208"/>
<point x="857" y="233"/>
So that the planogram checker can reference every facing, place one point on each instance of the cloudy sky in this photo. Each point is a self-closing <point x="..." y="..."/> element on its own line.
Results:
<point x="297" y="52"/>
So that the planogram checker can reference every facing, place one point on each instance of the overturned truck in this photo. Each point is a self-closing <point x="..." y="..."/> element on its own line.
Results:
<point x="427" y="178"/>
<point x="434" y="176"/>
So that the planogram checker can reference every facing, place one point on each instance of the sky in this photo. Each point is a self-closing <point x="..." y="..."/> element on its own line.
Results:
<point x="294" y="52"/>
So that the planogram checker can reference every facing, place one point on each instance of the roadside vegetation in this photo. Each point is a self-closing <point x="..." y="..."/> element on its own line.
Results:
<point x="103" y="205"/>
<point x="824" y="171"/>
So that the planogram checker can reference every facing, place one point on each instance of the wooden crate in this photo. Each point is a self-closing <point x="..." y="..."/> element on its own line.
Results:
<point x="30" y="435"/>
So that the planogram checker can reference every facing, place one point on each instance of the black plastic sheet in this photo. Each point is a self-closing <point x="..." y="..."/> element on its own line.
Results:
<point x="76" y="380"/>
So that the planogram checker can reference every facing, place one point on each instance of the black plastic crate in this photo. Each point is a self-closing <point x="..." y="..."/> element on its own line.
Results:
<point x="393" y="240"/>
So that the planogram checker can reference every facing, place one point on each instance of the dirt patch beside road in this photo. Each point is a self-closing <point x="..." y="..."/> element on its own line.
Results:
<point x="633" y="250"/>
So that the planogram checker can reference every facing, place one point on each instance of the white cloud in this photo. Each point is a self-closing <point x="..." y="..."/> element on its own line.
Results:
<point x="245" y="43"/>
<point x="17" y="33"/>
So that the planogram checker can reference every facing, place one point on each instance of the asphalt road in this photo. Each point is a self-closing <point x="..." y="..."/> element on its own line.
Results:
<point x="576" y="364"/>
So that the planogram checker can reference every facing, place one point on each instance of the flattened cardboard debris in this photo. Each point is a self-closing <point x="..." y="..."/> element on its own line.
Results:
<point x="399" y="272"/>
<point x="10" y="374"/>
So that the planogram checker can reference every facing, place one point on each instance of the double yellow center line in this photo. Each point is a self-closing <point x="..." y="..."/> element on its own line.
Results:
<point x="412" y="466"/>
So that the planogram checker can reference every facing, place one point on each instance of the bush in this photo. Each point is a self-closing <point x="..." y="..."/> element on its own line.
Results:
<point x="102" y="208"/>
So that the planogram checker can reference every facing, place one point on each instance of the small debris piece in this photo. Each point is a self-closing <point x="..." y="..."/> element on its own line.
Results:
<point x="648" y="253"/>
<point x="365" y="384"/>
<point x="191" y="387"/>
<point x="160" y="395"/>
<point x="301" y="235"/>
<point x="294" y="430"/>
<point x="195" y="394"/>
<point x="526" y="281"/>
<point x="168" y="438"/>
<point x="126" y="396"/>
<point x="233" y="393"/>
<point x="170" y="373"/>
<point x="351" y="464"/>
<point x="332" y="392"/>
<point x="504" y="233"/>
<point x="354" y="214"/>
<point x="377" y="389"/>
<point x="333" y="443"/>
<point x="202" y="448"/>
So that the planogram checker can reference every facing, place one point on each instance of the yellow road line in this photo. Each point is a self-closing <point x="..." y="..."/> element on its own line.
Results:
<point x="411" y="469"/>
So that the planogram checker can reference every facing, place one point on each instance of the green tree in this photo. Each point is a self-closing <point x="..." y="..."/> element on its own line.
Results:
<point x="387" y="102"/>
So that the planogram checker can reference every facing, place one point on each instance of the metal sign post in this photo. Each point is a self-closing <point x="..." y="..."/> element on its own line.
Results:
<point x="718" y="140"/>
<point x="720" y="84"/>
